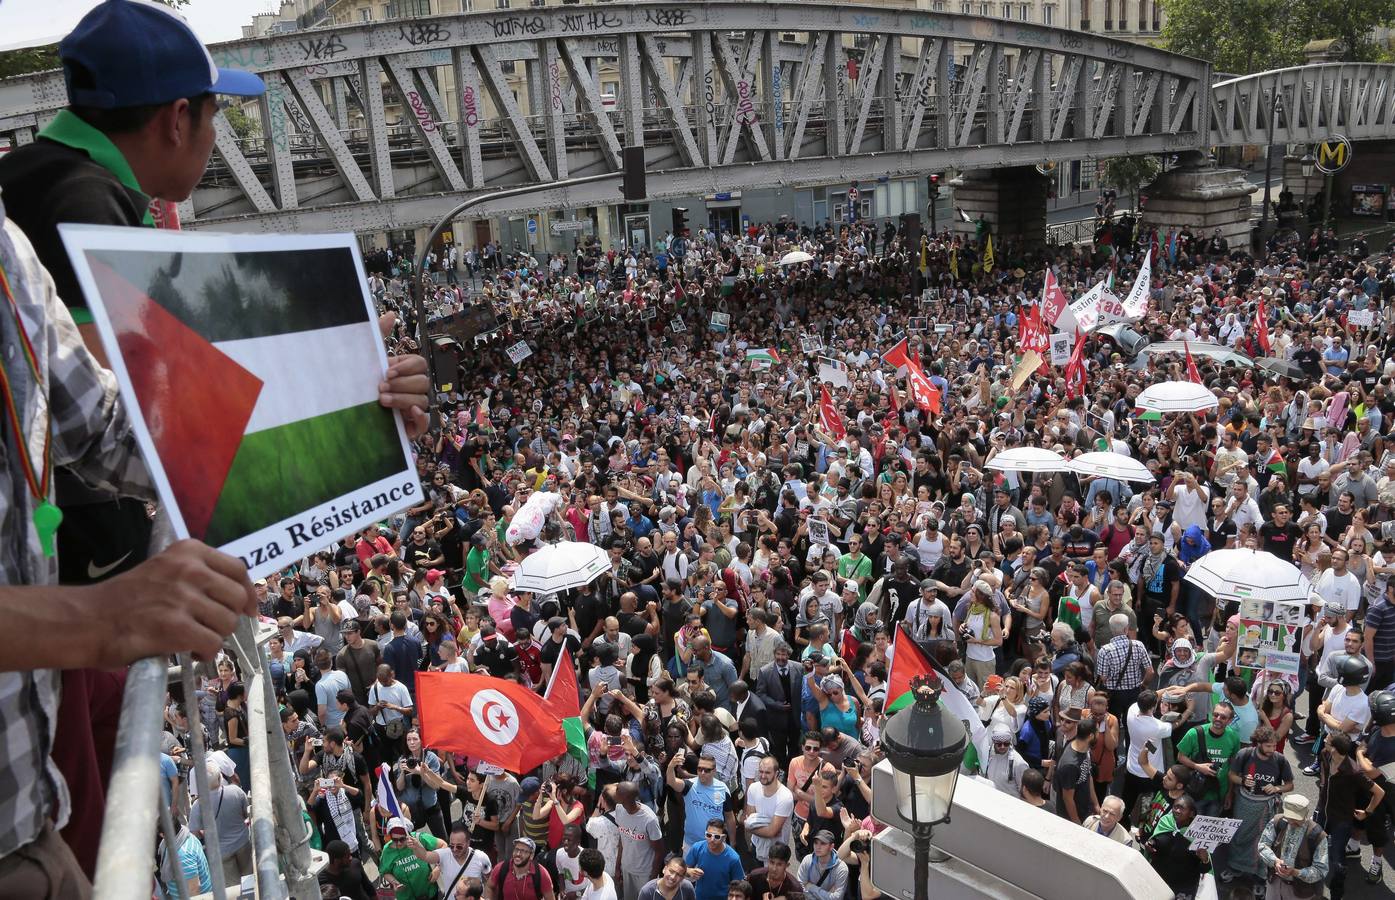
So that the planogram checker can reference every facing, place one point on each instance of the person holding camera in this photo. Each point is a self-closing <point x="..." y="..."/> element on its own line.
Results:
<point x="417" y="776"/>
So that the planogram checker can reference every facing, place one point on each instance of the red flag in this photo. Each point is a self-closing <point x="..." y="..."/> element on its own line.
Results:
<point x="893" y="415"/>
<point x="498" y="721"/>
<point x="897" y="357"/>
<point x="1262" y="327"/>
<point x="923" y="390"/>
<point x="1075" y="370"/>
<point x="563" y="696"/>
<point x="1192" y="373"/>
<point x="1032" y="335"/>
<point x="829" y="420"/>
<point x="908" y="662"/>
<point x="1053" y="299"/>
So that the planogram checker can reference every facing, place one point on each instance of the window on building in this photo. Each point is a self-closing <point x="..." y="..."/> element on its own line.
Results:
<point x="1048" y="14"/>
<point x="966" y="7"/>
<point x="501" y="4"/>
<point x="985" y="9"/>
<point x="940" y="6"/>
<point x="400" y="9"/>
<point x="1026" y="12"/>
<point x="1007" y="10"/>
<point x="365" y="14"/>
<point x="508" y="66"/>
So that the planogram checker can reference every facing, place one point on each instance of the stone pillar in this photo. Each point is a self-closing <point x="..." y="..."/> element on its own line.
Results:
<point x="1011" y="200"/>
<point x="1202" y="196"/>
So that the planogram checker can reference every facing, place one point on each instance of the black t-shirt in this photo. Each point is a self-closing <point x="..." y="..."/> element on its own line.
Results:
<point x="1309" y="360"/>
<point x="1280" y="541"/>
<point x="1275" y="770"/>
<point x="1072" y="773"/>
<point x="498" y="656"/>
<point x="1337" y="522"/>
<point x="1218" y="533"/>
<point x="416" y="553"/>
<point x="551" y="650"/>
<point x="951" y="573"/>
<point x="644" y="566"/>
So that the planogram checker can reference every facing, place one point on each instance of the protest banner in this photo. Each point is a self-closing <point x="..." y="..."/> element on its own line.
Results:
<point x="1361" y="318"/>
<point x="519" y="352"/>
<point x="833" y="371"/>
<point x="257" y="444"/>
<point x="719" y="322"/>
<point x="1061" y="345"/>
<point x="818" y="532"/>
<point x="677" y="325"/>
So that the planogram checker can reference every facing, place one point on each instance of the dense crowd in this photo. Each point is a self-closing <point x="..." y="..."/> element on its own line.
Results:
<point x="734" y="660"/>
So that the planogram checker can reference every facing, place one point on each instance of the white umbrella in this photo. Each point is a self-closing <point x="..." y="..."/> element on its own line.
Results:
<point x="1242" y="574"/>
<point x="795" y="257"/>
<point x="1110" y="465"/>
<point x="1028" y="459"/>
<point x="1176" y="396"/>
<point x="561" y="566"/>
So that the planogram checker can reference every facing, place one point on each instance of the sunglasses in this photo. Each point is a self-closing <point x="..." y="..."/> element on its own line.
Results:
<point x="702" y="769"/>
<point x="716" y="837"/>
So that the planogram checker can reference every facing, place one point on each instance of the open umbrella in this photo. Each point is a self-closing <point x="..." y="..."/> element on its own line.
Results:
<point x="1110" y="465"/>
<point x="1285" y="368"/>
<point x="561" y="566"/>
<point x="1243" y="574"/>
<point x="1028" y="459"/>
<point x="1176" y="397"/>
<point x="794" y="257"/>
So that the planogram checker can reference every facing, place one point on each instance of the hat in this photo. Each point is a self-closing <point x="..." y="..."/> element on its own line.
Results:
<point x="824" y="835"/>
<point x="398" y="824"/>
<point x="1036" y="705"/>
<point x="1295" y="807"/>
<point x="350" y="625"/>
<point x="141" y="54"/>
<point x="1070" y="714"/>
<point x="260" y="582"/>
<point x="529" y="786"/>
<point x="1003" y="733"/>
<point x="433" y="575"/>
<point x="726" y="718"/>
<point x="1334" y="609"/>
<point x="830" y="683"/>
<point x="527" y="842"/>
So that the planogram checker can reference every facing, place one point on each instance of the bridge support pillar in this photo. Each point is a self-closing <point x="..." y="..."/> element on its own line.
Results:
<point x="1202" y="196"/>
<point x="1011" y="200"/>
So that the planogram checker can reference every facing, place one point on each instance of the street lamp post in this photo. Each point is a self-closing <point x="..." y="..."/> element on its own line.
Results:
<point x="1269" y="162"/>
<point x="925" y="746"/>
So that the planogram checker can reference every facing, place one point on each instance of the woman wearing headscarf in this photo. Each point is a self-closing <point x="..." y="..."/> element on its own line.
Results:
<point x="1190" y="548"/>
<point x="866" y="623"/>
<point x="644" y="666"/>
<point x="1034" y="737"/>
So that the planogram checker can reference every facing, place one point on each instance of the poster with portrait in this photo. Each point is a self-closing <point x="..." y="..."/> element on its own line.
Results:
<point x="818" y="532"/>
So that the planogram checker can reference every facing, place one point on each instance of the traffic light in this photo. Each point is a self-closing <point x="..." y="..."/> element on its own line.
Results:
<point x="680" y="221"/>
<point x="934" y="181"/>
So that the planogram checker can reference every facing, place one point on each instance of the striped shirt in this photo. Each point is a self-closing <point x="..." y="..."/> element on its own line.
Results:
<point x="91" y="436"/>
<point x="1380" y="621"/>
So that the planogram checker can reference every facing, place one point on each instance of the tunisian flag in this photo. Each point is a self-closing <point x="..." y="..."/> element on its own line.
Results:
<point x="498" y="721"/>
<point x="829" y="419"/>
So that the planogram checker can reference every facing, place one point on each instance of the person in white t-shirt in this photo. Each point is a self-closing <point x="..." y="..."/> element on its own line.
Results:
<point x="1338" y="585"/>
<point x="599" y="884"/>
<point x="769" y="808"/>
<point x="1144" y="728"/>
<point x="567" y="860"/>
<point x="1189" y="501"/>
<point x="457" y="855"/>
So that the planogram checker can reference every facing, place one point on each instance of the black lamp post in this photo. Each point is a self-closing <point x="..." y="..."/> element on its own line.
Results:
<point x="925" y="746"/>
<point x="1308" y="163"/>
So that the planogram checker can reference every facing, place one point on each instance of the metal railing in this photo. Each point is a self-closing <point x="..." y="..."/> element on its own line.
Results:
<point x="283" y="862"/>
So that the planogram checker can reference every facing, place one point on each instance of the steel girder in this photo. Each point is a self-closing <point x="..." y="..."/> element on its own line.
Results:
<point x="388" y="125"/>
<point x="1307" y="104"/>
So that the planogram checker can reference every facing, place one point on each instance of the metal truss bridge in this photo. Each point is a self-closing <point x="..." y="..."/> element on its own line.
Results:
<point x="386" y="126"/>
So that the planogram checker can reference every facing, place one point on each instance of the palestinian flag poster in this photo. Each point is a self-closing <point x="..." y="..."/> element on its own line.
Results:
<point x="249" y="366"/>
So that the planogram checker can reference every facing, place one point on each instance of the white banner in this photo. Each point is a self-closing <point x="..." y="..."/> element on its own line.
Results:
<point x="1111" y="309"/>
<point x="1085" y="310"/>
<point x="834" y="375"/>
<point x="519" y="352"/>
<point x="1136" y="303"/>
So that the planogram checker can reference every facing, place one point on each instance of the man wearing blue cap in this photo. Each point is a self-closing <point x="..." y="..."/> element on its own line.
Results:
<point x="143" y="92"/>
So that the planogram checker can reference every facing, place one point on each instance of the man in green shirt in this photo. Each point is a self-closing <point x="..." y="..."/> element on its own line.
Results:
<point x="1207" y="750"/>
<point x="410" y="877"/>
<point x="476" y="566"/>
<point x="856" y="566"/>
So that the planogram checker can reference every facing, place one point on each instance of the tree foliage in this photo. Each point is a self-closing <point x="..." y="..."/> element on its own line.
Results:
<point x="1245" y="36"/>
<point x="243" y="125"/>
<point x="40" y="59"/>
<point x="1129" y="173"/>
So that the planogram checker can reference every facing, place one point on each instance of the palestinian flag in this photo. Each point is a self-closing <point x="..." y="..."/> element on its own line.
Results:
<point x="762" y="357"/>
<point x="909" y="662"/>
<point x="728" y="285"/>
<point x="236" y="363"/>
<point x="563" y="697"/>
<point x="1275" y="463"/>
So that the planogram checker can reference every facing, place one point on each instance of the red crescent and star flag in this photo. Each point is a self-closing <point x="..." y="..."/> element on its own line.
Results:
<point x="498" y="721"/>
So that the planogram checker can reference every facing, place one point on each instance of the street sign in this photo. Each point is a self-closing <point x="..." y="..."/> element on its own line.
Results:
<point x="578" y="225"/>
<point x="852" y="194"/>
<point x="532" y="226"/>
<point x="1333" y="154"/>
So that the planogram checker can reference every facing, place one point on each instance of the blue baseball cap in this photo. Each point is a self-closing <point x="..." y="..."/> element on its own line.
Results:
<point x="128" y="53"/>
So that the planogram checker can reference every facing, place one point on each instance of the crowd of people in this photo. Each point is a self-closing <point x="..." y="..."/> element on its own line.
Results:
<point x="765" y="550"/>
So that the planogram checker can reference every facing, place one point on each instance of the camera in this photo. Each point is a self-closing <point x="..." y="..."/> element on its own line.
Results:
<point x="411" y="763"/>
<point x="858" y="846"/>
<point x="317" y="743"/>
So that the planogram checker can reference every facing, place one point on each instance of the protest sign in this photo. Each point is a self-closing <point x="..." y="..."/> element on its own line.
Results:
<point x="519" y="352"/>
<point x="818" y="532"/>
<point x="1361" y="318"/>
<point x="1061" y="346"/>
<point x="678" y="325"/>
<point x="258" y="444"/>
<point x="1136" y="303"/>
<point x="1209" y="832"/>
<point x="719" y="322"/>
<point x="833" y="371"/>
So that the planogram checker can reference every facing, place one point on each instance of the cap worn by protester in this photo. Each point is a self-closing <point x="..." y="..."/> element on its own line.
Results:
<point x="398" y="825"/>
<point x="433" y="575"/>
<point x="529" y="786"/>
<point x="823" y="835"/>
<point x="349" y="626"/>
<point x="727" y="719"/>
<point x="528" y="842"/>
<point x="1296" y="807"/>
<point x="1334" y="609"/>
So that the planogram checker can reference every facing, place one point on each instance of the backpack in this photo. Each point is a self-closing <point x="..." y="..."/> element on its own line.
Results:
<point x="497" y="880"/>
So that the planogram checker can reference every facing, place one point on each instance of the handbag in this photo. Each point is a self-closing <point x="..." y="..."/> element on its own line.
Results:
<point x="1198" y="784"/>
